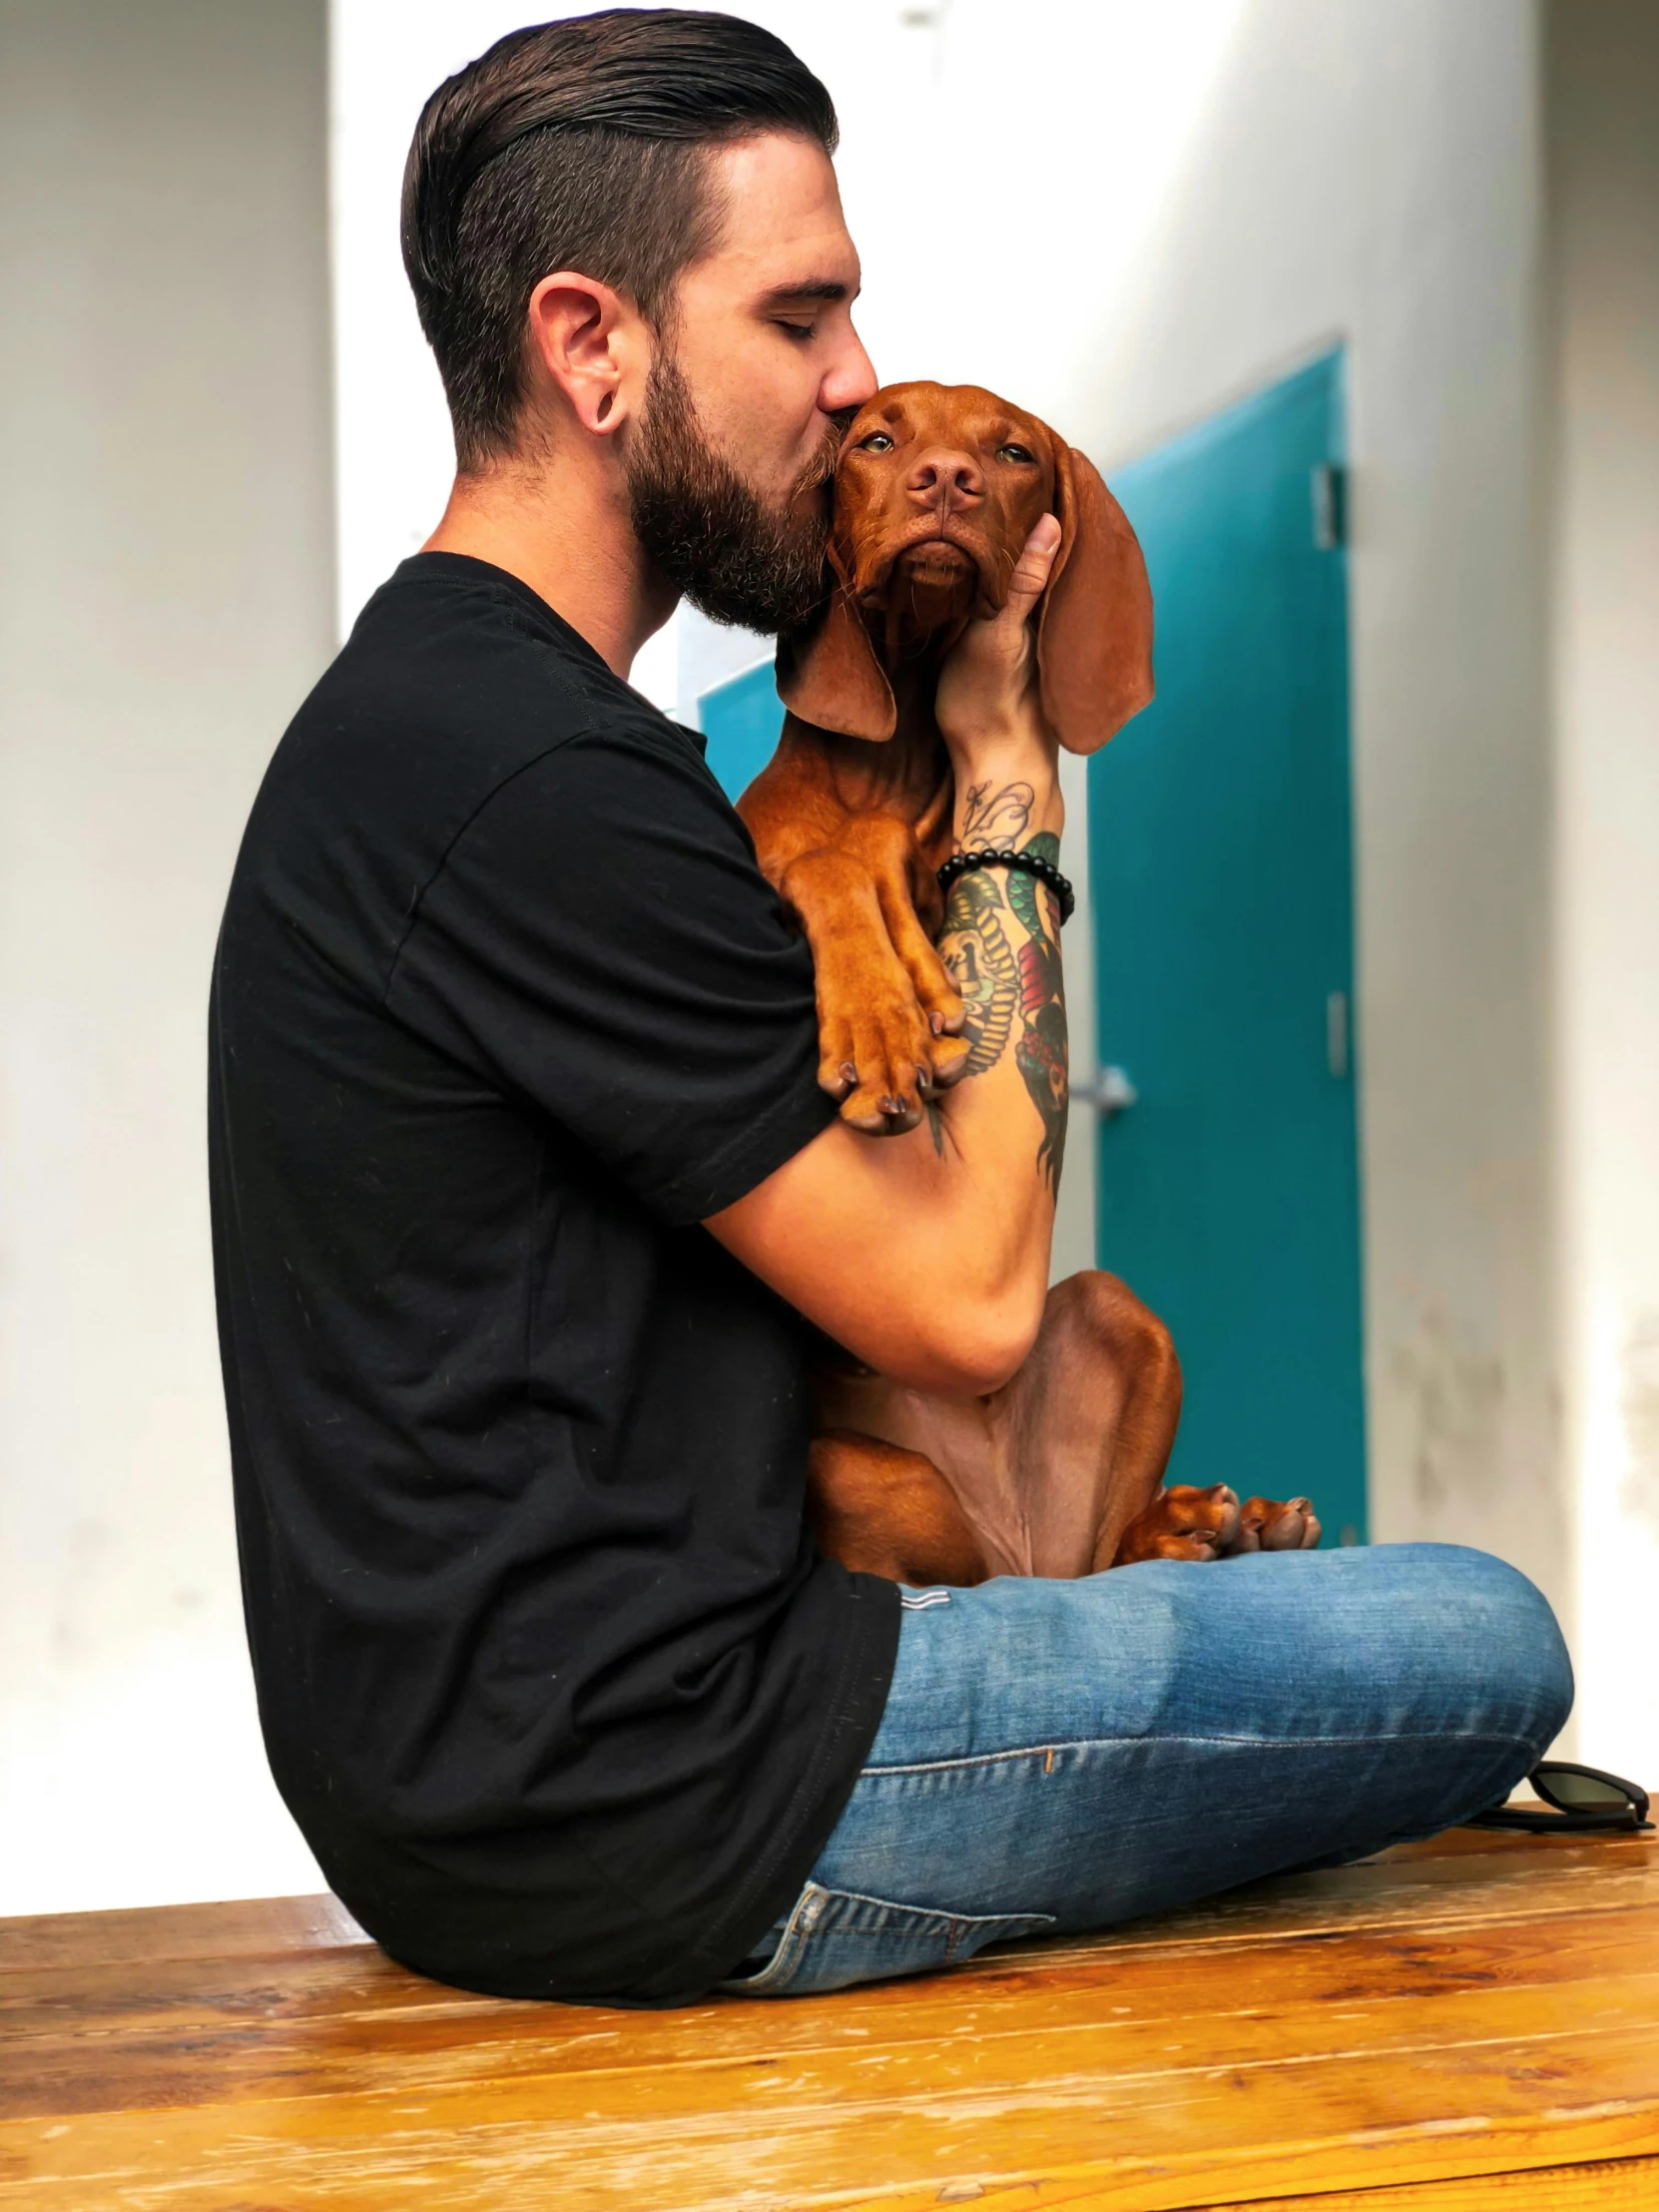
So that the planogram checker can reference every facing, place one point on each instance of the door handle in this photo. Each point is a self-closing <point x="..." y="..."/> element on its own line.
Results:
<point x="1112" y="1094"/>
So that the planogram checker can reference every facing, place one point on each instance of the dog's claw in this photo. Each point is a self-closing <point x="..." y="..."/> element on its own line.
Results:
<point x="1184" y="1522"/>
<point x="950" y="1064"/>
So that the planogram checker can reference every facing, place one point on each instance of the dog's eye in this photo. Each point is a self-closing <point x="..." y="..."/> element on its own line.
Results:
<point x="878" y="442"/>
<point x="1015" y="453"/>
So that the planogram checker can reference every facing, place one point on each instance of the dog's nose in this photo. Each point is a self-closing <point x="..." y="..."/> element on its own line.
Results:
<point x="945" y="479"/>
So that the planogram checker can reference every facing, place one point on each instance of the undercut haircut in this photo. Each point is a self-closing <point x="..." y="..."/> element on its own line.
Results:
<point x="579" y="145"/>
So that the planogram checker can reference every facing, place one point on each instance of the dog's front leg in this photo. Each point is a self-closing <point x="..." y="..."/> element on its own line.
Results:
<point x="879" y="1051"/>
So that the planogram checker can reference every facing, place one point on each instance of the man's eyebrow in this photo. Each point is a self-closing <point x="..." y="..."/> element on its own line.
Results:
<point x="818" y="288"/>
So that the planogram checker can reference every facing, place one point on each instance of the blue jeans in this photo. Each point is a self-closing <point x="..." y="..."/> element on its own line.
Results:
<point x="1061" y="1755"/>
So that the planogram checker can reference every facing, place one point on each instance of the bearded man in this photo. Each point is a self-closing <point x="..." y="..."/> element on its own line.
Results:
<point x="524" y="1181"/>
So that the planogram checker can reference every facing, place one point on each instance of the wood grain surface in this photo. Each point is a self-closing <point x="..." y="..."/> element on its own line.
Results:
<point x="1472" y="2022"/>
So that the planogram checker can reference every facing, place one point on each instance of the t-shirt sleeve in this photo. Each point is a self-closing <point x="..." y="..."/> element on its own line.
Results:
<point x="600" y="941"/>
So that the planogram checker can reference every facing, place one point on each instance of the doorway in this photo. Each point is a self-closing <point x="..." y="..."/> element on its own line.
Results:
<point x="1222" y="883"/>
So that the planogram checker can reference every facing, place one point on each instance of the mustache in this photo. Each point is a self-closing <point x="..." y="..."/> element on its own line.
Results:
<point x="821" y="466"/>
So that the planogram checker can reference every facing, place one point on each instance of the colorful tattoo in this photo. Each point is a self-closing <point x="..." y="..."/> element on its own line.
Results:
<point x="994" y="980"/>
<point x="982" y="966"/>
<point x="1043" y="1050"/>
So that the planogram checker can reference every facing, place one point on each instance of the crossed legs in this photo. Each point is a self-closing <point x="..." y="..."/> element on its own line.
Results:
<point x="1061" y="1756"/>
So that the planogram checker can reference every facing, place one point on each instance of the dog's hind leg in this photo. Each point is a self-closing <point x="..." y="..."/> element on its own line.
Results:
<point x="1050" y="1471"/>
<point x="1088" y="1423"/>
<point x="882" y="1509"/>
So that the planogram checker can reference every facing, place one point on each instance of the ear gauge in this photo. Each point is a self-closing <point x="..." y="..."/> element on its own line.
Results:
<point x="605" y="405"/>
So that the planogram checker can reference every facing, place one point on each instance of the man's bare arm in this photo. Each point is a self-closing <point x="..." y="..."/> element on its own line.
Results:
<point x="926" y="1255"/>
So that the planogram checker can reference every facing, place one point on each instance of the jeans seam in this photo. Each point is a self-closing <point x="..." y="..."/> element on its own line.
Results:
<point x="927" y="1911"/>
<point x="1251" y="1743"/>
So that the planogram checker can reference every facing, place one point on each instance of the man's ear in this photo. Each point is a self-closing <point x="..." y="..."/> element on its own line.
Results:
<point x="591" y="345"/>
<point x="828" y="673"/>
<point x="1094" y="628"/>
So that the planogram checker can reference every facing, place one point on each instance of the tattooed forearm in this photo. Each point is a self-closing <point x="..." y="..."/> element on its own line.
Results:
<point x="999" y="982"/>
<point x="1042" y="1052"/>
<point x="983" y="967"/>
<point x="995" y="815"/>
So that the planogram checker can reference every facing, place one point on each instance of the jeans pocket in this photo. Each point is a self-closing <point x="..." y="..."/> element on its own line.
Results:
<point x="835" y="1937"/>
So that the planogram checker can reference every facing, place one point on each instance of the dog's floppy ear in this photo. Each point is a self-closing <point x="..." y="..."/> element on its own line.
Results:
<point x="1094" y="629"/>
<point x="828" y="673"/>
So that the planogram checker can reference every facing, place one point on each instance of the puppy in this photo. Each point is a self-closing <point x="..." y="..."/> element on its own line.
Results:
<point x="936" y="490"/>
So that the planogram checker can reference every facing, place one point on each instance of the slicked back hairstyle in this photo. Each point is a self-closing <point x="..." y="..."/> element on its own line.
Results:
<point x="578" y="144"/>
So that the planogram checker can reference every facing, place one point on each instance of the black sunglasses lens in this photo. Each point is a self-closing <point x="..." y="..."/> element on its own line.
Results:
<point x="1578" y="1792"/>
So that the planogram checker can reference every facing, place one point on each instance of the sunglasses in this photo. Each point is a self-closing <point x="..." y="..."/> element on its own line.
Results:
<point x="1579" y="1800"/>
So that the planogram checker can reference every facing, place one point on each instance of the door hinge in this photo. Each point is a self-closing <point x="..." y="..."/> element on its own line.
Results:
<point x="1329" y="484"/>
<point x="1336" y="1034"/>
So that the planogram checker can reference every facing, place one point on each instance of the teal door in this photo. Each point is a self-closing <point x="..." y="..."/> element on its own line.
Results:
<point x="1221" y="875"/>
<point x="741" y="719"/>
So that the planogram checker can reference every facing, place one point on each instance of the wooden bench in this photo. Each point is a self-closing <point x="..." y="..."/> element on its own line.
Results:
<point x="1468" y="2023"/>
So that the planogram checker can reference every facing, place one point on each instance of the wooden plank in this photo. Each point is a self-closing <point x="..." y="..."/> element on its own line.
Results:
<point x="1408" y="2098"/>
<point x="1380" y="1894"/>
<point x="1463" y="1843"/>
<point x="247" y="1925"/>
<point x="1629" y="2182"/>
<point x="1596" y="2186"/>
<point x="243" y="2039"/>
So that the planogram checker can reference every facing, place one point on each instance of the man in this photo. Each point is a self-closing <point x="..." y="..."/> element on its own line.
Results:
<point x="523" y="1177"/>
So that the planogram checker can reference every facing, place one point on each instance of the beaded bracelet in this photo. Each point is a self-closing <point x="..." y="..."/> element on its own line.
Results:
<point x="1027" y="864"/>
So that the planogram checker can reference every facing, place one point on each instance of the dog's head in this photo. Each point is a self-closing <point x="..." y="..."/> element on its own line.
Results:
<point x="937" y="488"/>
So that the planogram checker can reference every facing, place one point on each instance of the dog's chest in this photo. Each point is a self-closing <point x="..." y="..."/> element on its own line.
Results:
<point x="908" y="776"/>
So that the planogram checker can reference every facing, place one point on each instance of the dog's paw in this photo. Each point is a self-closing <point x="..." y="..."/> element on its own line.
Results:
<point x="876" y="1063"/>
<point x="1264" y="1524"/>
<point x="1182" y="1522"/>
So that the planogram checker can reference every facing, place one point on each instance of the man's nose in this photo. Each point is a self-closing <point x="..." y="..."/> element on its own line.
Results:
<point x="851" y="380"/>
<point x="945" y="479"/>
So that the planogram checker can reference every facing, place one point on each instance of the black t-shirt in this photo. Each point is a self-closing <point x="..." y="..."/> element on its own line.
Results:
<point x="549" y="1672"/>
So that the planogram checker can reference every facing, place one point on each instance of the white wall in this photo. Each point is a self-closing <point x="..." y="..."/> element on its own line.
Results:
<point x="1370" y="171"/>
<point x="166" y="598"/>
<point x="1604" y="194"/>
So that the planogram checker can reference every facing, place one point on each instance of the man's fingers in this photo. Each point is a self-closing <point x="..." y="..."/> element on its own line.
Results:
<point x="1031" y="570"/>
<point x="986" y="688"/>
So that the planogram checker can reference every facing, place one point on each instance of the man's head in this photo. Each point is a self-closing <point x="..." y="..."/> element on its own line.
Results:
<point x="623" y="231"/>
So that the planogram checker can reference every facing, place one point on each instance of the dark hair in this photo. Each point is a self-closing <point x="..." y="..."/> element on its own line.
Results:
<point x="578" y="144"/>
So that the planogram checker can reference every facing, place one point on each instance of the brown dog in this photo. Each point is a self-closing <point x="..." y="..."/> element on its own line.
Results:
<point x="937" y="491"/>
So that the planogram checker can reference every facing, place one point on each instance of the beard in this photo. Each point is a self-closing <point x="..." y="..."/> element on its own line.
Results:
<point x="709" y="531"/>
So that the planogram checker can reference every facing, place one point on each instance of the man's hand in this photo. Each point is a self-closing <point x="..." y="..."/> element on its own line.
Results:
<point x="989" y="706"/>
